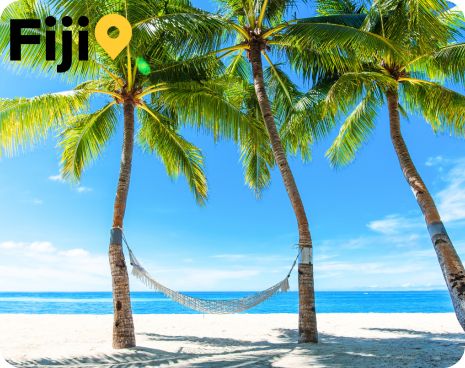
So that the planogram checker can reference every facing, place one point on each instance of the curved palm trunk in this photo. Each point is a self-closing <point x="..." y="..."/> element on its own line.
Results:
<point x="123" y="325"/>
<point x="307" y="315"/>
<point x="451" y="265"/>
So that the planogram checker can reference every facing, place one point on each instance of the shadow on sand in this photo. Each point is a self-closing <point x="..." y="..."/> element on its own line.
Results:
<point x="411" y="349"/>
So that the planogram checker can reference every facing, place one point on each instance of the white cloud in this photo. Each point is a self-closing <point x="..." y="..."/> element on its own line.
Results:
<point x="78" y="252"/>
<point x="206" y="278"/>
<point x="83" y="189"/>
<point x="395" y="224"/>
<point x="35" y="247"/>
<point x="33" y="201"/>
<point x="39" y="266"/>
<point x="230" y="257"/>
<point x="436" y="161"/>
<point x="10" y="245"/>
<point x="367" y="268"/>
<point x="398" y="254"/>
<point x="42" y="247"/>
<point x="451" y="200"/>
<point x="57" y="178"/>
<point x="42" y="266"/>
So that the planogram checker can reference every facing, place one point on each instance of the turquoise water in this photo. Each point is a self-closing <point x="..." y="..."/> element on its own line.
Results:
<point x="155" y="303"/>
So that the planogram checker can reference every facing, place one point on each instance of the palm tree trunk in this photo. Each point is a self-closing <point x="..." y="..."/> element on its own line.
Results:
<point x="123" y="326"/>
<point x="451" y="265"/>
<point x="307" y="315"/>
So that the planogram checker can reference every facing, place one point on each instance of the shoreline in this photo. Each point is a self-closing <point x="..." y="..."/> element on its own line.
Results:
<point x="183" y="340"/>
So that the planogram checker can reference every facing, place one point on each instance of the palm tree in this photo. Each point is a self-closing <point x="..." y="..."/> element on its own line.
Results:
<point x="310" y="45"/>
<point x="410" y="81"/>
<point x="157" y="88"/>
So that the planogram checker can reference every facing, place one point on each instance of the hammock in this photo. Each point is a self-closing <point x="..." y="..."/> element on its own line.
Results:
<point x="208" y="306"/>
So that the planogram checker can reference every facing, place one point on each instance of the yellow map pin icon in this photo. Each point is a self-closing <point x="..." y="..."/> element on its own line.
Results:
<point x="113" y="46"/>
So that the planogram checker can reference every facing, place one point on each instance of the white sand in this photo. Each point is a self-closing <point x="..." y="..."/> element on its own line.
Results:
<point x="347" y="340"/>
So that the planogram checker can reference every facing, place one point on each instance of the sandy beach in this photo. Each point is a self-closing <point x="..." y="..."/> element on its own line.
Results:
<point x="347" y="340"/>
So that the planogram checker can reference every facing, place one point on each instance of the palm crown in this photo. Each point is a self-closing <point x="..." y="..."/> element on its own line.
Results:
<point x="425" y="33"/>
<point x="310" y="45"/>
<point x="166" y="90"/>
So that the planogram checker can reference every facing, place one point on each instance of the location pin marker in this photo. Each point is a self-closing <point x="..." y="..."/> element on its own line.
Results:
<point x="113" y="46"/>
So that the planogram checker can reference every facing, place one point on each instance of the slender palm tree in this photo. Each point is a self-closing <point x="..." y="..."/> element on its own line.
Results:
<point x="259" y="27"/>
<point x="409" y="81"/>
<point x="155" y="88"/>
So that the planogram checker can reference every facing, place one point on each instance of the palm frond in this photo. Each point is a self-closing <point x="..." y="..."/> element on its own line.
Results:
<point x="85" y="138"/>
<point x="282" y="91"/>
<point x="239" y="67"/>
<point x="446" y="63"/>
<point x="257" y="157"/>
<point x="355" y="130"/>
<point x="443" y="108"/>
<point x="25" y="122"/>
<point x="159" y="135"/>
<point x="351" y="86"/>
<point x="204" y="105"/>
<point x="309" y="36"/>
<point x="306" y="123"/>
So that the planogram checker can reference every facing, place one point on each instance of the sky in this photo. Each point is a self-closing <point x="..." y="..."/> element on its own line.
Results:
<point x="367" y="229"/>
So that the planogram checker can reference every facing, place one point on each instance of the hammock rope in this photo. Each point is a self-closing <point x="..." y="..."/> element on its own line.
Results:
<point x="208" y="306"/>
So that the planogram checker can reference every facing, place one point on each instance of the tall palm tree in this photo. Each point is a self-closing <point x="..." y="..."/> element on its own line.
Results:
<point x="410" y="81"/>
<point x="259" y="27"/>
<point x="156" y="88"/>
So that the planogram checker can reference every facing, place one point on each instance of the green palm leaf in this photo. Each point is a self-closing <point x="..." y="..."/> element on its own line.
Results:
<point x="204" y="105"/>
<point x="159" y="135"/>
<point x="85" y="138"/>
<point x="309" y="35"/>
<point x="257" y="158"/>
<point x="443" y="108"/>
<point x="355" y="130"/>
<point x="351" y="86"/>
<point x="27" y="121"/>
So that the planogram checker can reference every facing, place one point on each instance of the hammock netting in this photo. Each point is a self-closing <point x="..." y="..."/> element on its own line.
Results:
<point x="209" y="306"/>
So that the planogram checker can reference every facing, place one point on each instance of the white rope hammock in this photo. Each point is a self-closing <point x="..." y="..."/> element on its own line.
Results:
<point x="208" y="306"/>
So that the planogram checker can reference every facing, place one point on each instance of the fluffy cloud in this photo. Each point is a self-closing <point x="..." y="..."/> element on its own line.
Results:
<point x="84" y="189"/>
<point x="78" y="252"/>
<point x="38" y="266"/>
<point x="451" y="200"/>
<point x="59" y="179"/>
<point x="36" y="247"/>
<point x="398" y="252"/>
<point x="395" y="224"/>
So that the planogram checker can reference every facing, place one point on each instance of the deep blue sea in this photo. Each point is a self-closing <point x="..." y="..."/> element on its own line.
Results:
<point x="155" y="303"/>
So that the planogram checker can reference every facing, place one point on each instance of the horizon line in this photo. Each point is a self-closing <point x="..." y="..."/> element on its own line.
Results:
<point x="232" y="291"/>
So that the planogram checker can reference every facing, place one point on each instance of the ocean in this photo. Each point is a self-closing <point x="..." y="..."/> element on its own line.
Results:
<point x="156" y="303"/>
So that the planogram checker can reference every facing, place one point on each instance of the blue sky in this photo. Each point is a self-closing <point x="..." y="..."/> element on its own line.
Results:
<point x="367" y="229"/>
